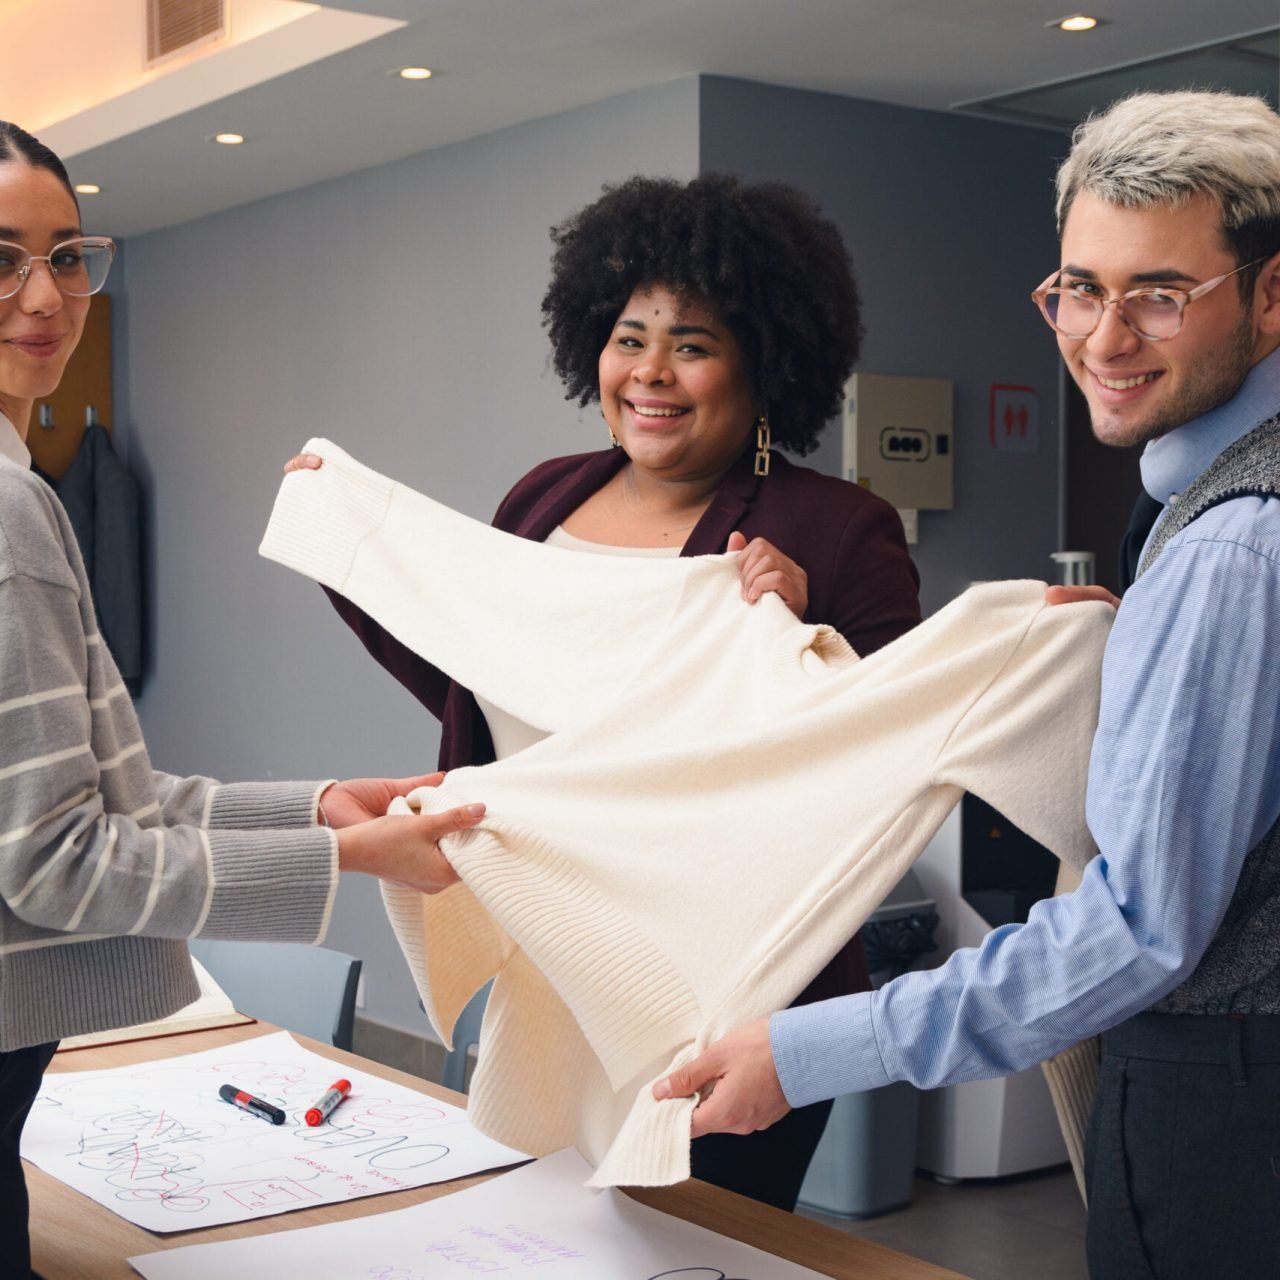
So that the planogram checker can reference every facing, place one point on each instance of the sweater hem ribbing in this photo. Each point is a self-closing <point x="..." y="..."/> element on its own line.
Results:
<point x="89" y="984"/>
<point x="574" y="935"/>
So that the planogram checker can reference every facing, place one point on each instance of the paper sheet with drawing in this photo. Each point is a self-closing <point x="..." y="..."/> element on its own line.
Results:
<point x="154" y="1143"/>
<point x="539" y="1220"/>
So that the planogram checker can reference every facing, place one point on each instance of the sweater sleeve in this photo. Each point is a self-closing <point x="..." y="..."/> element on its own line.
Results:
<point x="1023" y="744"/>
<point x="242" y="806"/>
<point x="502" y="616"/>
<point x="73" y="863"/>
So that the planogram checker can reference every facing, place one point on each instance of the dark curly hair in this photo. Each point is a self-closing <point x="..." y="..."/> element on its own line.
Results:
<point x="762" y="255"/>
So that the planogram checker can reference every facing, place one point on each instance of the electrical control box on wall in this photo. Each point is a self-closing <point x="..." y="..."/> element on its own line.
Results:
<point x="898" y="439"/>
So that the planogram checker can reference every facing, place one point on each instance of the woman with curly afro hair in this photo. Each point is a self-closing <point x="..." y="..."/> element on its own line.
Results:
<point x="712" y="320"/>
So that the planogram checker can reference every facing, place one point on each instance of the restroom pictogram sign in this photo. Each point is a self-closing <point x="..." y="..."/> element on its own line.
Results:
<point x="1014" y="419"/>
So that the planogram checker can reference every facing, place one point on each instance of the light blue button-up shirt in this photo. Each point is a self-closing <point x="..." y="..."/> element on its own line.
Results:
<point x="1184" y="780"/>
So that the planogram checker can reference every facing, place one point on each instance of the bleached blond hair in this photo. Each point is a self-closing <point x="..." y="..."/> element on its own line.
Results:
<point x="1167" y="148"/>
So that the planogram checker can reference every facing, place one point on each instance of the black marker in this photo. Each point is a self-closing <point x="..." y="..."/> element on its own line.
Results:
<point x="247" y="1102"/>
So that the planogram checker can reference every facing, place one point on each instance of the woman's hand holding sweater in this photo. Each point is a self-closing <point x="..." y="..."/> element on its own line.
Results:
<point x="762" y="567"/>
<point x="343" y="804"/>
<point x="405" y="849"/>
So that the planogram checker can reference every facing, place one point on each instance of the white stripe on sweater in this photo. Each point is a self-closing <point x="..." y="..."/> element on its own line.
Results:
<point x="115" y="761"/>
<point x="21" y="833"/>
<point x="103" y="865"/>
<point x="102" y="703"/>
<point x="207" y="906"/>
<point x="45" y="695"/>
<point x="40" y="762"/>
<point x="208" y="806"/>
<point x="157" y="875"/>
<point x="333" y="891"/>
<point x="44" y="869"/>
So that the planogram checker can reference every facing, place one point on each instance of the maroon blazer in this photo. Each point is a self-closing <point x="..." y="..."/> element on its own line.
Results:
<point x="849" y="542"/>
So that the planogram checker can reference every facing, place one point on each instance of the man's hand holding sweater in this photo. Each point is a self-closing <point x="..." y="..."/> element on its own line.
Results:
<point x="743" y="1095"/>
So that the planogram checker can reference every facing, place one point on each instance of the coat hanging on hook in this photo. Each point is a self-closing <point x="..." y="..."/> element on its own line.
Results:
<point x="101" y="498"/>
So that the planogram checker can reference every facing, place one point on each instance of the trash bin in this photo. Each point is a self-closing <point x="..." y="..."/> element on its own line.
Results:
<point x="865" y="1163"/>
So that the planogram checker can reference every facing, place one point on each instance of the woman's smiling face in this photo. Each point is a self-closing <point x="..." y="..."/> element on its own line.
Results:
<point x="39" y="325"/>
<point x="674" y="387"/>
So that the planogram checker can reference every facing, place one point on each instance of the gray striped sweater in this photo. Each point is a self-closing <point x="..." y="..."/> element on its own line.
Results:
<point x="105" y="864"/>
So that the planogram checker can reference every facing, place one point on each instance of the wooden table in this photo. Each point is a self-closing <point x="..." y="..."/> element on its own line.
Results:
<point x="75" y="1238"/>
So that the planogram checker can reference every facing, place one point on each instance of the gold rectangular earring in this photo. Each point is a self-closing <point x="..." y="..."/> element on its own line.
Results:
<point x="763" y="444"/>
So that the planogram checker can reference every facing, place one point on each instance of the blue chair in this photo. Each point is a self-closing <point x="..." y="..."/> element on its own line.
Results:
<point x="310" y="990"/>
<point x="466" y="1032"/>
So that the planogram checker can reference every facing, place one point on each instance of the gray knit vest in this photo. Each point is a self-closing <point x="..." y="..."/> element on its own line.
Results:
<point x="1240" y="972"/>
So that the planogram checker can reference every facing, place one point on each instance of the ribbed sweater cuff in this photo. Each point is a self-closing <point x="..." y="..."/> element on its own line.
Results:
<point x="249" y="806"/>
<point x="825" y="1049"/>
<point x="321" y="517"/>
<point x="269" y="885"/>
<point x="90" y="985"/>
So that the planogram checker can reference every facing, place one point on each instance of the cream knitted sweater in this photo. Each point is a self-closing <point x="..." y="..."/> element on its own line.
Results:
<point x="726" y="794"/>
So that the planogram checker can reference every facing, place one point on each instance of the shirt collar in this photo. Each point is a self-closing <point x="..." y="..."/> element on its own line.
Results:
<point x="12" y="445"/>
<point x="1172" y="462"/>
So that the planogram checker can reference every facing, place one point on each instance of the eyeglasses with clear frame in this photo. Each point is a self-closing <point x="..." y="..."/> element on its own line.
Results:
<point x="79" y="267"/>
<point x="1153" y="313"/>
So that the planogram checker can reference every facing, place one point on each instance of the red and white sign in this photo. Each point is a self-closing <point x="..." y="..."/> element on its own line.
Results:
<point x="1015" y="419"/>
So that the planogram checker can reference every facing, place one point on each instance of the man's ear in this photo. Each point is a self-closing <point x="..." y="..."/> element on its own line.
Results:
<point x="1268" y="296"/>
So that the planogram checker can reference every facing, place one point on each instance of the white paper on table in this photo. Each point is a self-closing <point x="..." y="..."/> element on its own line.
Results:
<point x="539" y="1220"/>
<point x="154" y="1142"/>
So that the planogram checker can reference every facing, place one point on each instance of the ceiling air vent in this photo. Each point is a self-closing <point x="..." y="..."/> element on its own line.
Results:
<point x="179" y="26"/>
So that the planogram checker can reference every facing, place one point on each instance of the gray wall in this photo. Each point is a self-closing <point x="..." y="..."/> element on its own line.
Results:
<point x="949" y="223"/>
<point x="397" y="312"/>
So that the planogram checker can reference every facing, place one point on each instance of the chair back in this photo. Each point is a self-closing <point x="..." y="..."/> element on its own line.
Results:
<point x="466" y="1035"/>
<point x="310" y="990"/>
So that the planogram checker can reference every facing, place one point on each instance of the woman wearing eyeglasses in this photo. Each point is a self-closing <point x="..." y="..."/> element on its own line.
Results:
<point x="106" y="866"/>
<point x="710" y="320"/>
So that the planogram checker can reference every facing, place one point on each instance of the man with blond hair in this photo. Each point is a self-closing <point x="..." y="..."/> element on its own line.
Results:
<point x="1166" y="305"/>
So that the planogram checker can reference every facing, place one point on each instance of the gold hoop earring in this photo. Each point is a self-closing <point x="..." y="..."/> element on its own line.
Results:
<point x="764" y="442"/>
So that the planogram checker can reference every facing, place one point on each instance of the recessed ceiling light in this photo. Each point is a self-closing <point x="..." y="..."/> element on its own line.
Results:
<point x="229" y="139"/>
<point x="414" y="73"/>
<point x="1075" y="22"/>
<point x="88" y="189"/>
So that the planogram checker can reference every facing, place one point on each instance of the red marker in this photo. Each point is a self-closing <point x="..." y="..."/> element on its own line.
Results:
<point x="329" y="1099"/>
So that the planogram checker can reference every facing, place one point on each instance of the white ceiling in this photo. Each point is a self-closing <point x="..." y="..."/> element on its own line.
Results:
<point x="499" y="62"/>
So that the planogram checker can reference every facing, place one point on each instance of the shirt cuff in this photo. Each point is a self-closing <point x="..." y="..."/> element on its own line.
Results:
<point x="824" y="1049"/>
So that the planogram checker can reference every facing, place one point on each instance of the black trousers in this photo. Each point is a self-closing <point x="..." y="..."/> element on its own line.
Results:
<point x="1182" y="1159"/>
<point x="769" y="1165"/>
<point x="20" y="1074"/>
